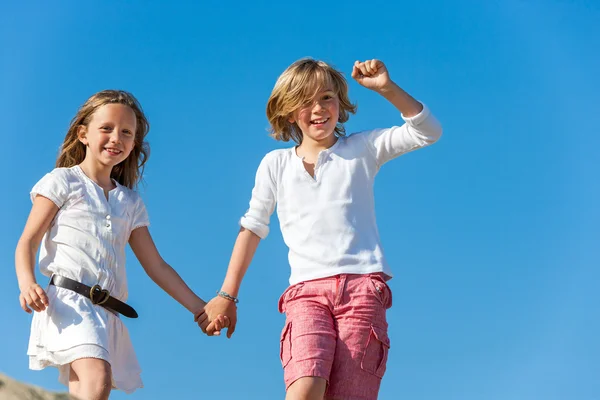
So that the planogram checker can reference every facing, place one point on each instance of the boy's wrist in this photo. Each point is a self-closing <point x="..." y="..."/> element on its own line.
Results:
<point x="225" y="295"/>
<point x="388" y="88"/>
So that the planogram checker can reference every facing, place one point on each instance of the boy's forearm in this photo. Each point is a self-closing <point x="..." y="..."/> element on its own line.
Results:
<point x="243" y="252"/>
<point x="404" y="102"/>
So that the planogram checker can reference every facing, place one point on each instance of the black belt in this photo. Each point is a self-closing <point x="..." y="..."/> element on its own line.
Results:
<point x="96" y="294"/>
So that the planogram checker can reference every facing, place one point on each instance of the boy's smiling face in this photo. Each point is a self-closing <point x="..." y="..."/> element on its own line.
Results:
<point x="318" y="118"/>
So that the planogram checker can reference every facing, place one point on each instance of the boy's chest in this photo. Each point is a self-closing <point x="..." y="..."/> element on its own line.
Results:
<point x="334" y="182"/>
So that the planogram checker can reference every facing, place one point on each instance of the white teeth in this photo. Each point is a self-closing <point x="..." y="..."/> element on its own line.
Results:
<point x="320" y="121"/>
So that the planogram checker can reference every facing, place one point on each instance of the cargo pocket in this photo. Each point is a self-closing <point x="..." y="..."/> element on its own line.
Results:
<point x="285" y="345"/>
<point x="376" y="352"/>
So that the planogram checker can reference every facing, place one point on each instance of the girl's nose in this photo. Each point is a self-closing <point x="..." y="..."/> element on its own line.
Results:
<point x="115" y="137"/>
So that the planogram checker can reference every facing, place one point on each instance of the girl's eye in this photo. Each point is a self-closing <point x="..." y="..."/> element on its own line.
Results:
<point x="105" y="128"/>
<point x="128" y="132"/>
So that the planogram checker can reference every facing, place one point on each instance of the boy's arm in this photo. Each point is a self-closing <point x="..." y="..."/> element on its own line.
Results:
<point x="373" y="74"/>
<point x="420" y="129"/>
<point x="243" y="252"/>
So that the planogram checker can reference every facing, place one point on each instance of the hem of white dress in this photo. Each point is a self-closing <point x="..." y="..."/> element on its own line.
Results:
<point x="62" y="361"/>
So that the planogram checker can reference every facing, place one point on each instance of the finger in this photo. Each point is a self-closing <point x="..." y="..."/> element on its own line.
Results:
<point x="374" y="65"/>
<point x="203" y="324"/>
<point x="230" y="330"/>
<point x="198" y="315"/>
<point x="363" y="69"/>
<point x="356" y="74"/>
<point x="218" y="325"/>
<point x="202" y="319"/>
<point x="31" y="302"/>
<point x="210" y="329"/>
<point x="37" y="301"/>
<point x="377" y="64"/>
<point x="24" y="304"/>
<point x="223" y="320"/>
<point x="369" y="67"/>
<point x="42" y="294"/>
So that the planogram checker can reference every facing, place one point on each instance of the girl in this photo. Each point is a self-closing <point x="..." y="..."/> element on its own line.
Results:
<point x="84" y="213"/>
<point x="334" y="342"/>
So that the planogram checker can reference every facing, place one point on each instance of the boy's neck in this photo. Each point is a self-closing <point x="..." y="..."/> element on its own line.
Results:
<point x="310" y="149"/>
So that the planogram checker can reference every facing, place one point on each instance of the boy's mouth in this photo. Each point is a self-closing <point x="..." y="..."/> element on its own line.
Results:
<point x="319" y="121"/>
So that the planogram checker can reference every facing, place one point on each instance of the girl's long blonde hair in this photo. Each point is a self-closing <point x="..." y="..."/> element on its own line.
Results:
<point x="298" y="85"/>
<point x="128" y="172"/>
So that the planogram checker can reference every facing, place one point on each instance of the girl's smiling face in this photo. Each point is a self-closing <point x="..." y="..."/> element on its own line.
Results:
<point x="110" y="136"/>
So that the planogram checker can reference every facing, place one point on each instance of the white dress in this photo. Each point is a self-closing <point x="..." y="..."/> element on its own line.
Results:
<point x="85" y="242"/>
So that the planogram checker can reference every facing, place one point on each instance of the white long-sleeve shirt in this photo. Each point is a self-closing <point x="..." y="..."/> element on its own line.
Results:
<point x="328" y="222"/>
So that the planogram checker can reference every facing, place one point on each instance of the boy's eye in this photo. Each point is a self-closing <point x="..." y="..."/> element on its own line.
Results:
<point x="105" y="128"/>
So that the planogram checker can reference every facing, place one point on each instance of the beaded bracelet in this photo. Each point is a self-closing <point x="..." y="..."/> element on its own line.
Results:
<point x="227" y="296"/>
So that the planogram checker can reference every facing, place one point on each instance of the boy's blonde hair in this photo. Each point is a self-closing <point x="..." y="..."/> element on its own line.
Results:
<point x="129" y="171"/>
<point x="298" y="85"/>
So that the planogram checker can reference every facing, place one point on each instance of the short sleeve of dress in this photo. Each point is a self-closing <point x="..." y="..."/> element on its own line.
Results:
<point x="53" y="186"/>
<point x="140" y="214"/>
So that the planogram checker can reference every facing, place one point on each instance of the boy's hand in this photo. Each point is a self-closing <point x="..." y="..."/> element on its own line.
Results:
<point x="201" y="318"/>
<point x="371" y="74"/>
<point x="219" y="306"/>
<point x="33" y="296"/>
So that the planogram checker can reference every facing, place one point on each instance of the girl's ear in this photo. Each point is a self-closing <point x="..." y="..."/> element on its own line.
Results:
<point x="291" y="119"/>
<point x="81" y="134"/>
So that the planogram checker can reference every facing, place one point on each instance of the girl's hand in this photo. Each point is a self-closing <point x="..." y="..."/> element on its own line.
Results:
<point x="372" y="74"/>
<point x="35" y="297"/>
<point x="220" y="306"/>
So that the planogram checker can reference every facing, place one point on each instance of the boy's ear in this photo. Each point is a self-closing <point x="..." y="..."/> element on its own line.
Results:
<point x="81" y="134"/>
<point x="291" y="119"/>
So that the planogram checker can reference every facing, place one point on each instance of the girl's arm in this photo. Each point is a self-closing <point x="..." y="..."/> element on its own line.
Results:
<point x="42" y="213"/>
<point x="243" y="252"/>
<point x="165" y="276"/>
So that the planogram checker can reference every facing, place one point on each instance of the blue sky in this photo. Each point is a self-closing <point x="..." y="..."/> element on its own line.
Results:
<point x="492" y="233"/>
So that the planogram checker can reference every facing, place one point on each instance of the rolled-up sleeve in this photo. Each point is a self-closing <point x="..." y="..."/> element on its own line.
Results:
<point x="263" y="200"/>
<point x="419" y="131"/>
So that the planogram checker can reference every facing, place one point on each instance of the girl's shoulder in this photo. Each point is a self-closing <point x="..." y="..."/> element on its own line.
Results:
<point x="55" y="185"/>
<point x="63" y="173"/>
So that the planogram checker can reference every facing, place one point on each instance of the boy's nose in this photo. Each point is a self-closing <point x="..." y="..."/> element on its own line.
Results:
<point x="318" y="106"/>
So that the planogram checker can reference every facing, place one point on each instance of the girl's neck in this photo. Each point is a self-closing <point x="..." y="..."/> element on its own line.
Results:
<point x="97" y="173"/>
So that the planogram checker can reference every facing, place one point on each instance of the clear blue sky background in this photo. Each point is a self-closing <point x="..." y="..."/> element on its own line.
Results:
<point x="492" y="233"/>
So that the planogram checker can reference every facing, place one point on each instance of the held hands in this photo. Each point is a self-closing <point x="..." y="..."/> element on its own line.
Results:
<point x="216" y="308"/>
<point x="201" y="318"/>
<point x="33" y="296"/>
<point x="372" y="74"/>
